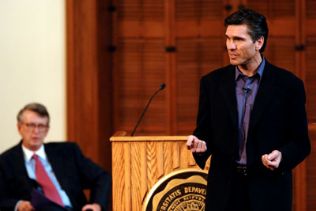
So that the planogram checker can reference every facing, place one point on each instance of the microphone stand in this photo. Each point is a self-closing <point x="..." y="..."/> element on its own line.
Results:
<point x="162" y="86"/>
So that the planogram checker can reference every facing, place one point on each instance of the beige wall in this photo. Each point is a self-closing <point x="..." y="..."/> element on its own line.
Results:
<point x="32" y="63"/>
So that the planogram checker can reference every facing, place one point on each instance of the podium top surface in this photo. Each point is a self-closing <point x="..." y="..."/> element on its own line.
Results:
<point x="147" y="138"/>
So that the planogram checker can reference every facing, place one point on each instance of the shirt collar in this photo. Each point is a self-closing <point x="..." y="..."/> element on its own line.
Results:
<point x="259" y="72"/>
<point x="29" y="153"/>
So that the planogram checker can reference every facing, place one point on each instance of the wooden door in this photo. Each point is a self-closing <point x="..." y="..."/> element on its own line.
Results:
<point x="163" y="41"/>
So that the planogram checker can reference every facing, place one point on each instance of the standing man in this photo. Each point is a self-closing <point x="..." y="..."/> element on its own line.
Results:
<point x="51" y="176"/>
<point x="252" y="120"/>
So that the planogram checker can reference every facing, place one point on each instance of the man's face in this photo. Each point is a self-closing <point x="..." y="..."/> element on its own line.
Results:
<point x="33" y="129"/>
<point x="242" y="50"/>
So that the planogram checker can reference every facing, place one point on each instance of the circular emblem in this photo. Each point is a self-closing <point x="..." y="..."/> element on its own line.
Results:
<point x="181" y="190"/>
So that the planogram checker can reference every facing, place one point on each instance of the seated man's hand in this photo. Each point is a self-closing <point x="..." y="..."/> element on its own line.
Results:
<point x="92" y="207"/>
<point x="24" y="206"/>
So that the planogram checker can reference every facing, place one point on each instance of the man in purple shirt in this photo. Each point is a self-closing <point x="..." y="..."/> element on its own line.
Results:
<point x="252" y="121"/>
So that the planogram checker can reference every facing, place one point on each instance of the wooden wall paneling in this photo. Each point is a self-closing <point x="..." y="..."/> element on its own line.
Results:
<point x="282" y="40"/>
<point x="274" y="9"/>
<point x="310" y="79"/>
<point x="301" y="38"/>
<point x="198" y="17"/>
<point x="199" y="32"/>
<point x="280" y="51"/>
<point x="309" y="35"/>
<point x="77" y="61"/>
<point x="88" y="72"/>
<point x="105" y="82"/>
<point x="156" y="119"/>
<point x="141" y="70"/>
<point x="140" y="65"/>
<point x="128" y="56"/>
<point x="311" y="172"/>
<point x="310" y="9"/>
<point x="177" y="18"/>
<point x="299" y="196"/>
<point x="188" y="73"/>
<point x="170" y="64"/>
<point x="300" y="182"/>
<point x="115" y="42"/>
<point x="198" y="9"/>
<point x="195" y="57"/>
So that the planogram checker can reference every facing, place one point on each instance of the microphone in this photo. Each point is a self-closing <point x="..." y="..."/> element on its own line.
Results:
<point x="161" y="87"/>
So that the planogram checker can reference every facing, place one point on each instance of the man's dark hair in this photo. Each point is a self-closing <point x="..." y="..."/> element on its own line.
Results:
<point x="256" y="23"/>
<point x="38" y="108"/>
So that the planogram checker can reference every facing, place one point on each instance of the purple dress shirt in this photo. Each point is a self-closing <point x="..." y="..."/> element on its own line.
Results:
<point x="246" y="91"/>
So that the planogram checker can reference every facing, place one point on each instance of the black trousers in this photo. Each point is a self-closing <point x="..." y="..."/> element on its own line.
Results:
<point x="239" y="198"/>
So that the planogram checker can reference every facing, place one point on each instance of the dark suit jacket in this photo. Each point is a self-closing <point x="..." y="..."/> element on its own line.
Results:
<point x="278" y="122"/>
<point x="73" y="171"/>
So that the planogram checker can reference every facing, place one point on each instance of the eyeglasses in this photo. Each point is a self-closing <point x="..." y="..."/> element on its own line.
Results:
<point x="33" y="126"/>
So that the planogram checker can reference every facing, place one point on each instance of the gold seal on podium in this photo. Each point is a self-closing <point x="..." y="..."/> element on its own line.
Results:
<point x="181" y="190"/>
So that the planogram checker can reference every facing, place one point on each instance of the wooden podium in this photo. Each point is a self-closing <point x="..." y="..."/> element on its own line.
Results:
<point x="138" y="162"/>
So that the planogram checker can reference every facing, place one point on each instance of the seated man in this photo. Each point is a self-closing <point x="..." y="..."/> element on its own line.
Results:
<point x="52" y="176"/>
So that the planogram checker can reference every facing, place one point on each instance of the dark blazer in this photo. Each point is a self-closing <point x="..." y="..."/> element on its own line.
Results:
<point x="74" y="172"/>
<point x="278" y="122"/>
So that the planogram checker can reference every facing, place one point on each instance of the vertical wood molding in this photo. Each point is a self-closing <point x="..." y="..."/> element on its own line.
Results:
<point x="300" y="182"/>
<point x="300" y="187"/>
<point x="82" y="68"/>
<point x="88" y="74"/>
<point x="170" y="68"/>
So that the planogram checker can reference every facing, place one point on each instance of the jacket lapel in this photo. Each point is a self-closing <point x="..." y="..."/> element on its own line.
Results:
<point x="228" y="90"/>
<point x="20" y="164"/>
<point x="264" y="95"/>
<point x="22" y="179"/>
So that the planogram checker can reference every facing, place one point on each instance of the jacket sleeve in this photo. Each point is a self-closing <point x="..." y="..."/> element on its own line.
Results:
<point x="5" y="202"/>
<point x="94" y="178"/>
<point x="202" y="130"/>
<point x="298" y="145"/>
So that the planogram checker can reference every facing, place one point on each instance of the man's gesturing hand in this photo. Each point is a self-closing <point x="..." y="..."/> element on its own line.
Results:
<point x="92" y="207"/>
<point x="196" y="145"/>
<point x="272" y="160"/>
